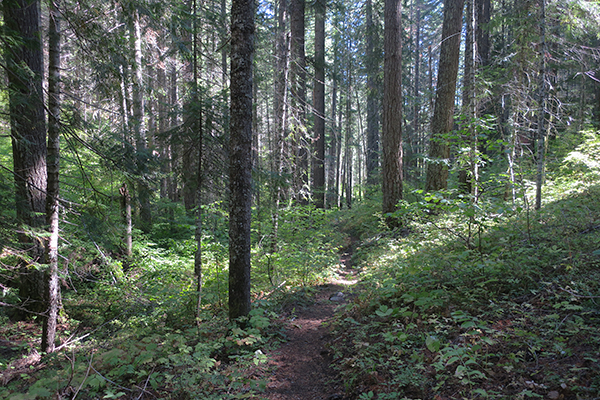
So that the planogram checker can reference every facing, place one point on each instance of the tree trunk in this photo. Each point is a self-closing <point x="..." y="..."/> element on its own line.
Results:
<point x="392" y="108"/>
<point x="240" y="149"/>
<point x="139" y="124"/>
<point x="318" y="189"/>
<point x="413" y="141"/>
<point x="198" y="131"/>
<point x="172" y="160"/>
<point x="24" y="69"/>
<point x="443" y="113"/>
<point x="372" y="65"/>
<point x="348" y="157"/>
<point x="468" y="140"/>
<point x="482" y="31"/>
<point x="541" y="133"/>
<point x="333" y="178"/>
<point x="126" y="213"/>
<point x="596" y="118"/>
<point x="280" y="106"/>
<point x="298" y="86"/>
<point x="52" y="293"/>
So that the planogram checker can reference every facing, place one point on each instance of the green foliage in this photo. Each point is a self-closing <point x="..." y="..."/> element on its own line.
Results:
<point x="479" y="293"/>
<point x="307" y="246"/>
<point x="582" y="163"/>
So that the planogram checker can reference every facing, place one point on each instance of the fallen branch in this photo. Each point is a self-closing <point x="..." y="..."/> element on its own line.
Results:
<point x="578" y="295"/>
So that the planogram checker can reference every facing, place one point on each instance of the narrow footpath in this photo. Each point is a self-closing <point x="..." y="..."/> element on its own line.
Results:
<point x="301" y="365"/>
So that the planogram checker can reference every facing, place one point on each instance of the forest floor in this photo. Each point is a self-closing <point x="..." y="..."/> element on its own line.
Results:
<point x="301" y="366"/>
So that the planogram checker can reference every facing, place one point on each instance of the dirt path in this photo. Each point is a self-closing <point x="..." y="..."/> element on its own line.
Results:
<point x="301" y="366"/>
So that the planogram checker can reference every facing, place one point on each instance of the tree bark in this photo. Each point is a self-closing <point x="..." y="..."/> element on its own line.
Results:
<point x="139" y="125"/>
<point x="467" y="166"/>
<point x="198" y="131"/>
<point x="240" y="148"/>
<point x="333" y="176"/>
<point x="392" y="108"/>
<point x="541" y="132"/>
<point x="126" y="213"/>
<point x="413" y="140"/>
<point x="280" y="106"/>
<point x="348" y="141"/>
<point x="442" y="121"/>
<point x="52" y="294"/>
<point x="318" y="189"/>
<point x="24" y="69"/>
<point x="298" y="88"/>
<point x="372" y="65"/>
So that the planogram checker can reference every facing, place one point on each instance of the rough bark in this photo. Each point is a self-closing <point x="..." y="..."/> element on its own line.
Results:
<point x="348" y="140"/>
<point x="52" y="293"/>
<point x="126" y="214"/>
<point x="198" y="131"/>
<point x="443" y="113"/>
<point x="139" y="124"/>
<point x="482" y="33"/>
<point x="541" y="132"/>
<point x="413" y="140"/>
<point x="240" y="149"/>
<point x="333" y="176"/>
<point x="280" y="110"/>
<point x="318" y="189"/>
<point x="298" y="89"/>
<point x="172" y="149"/>
<point x="392" y="107"/>
<point x="372" y="64"/>
<point x="467" y="171"/>
<point x="24" y="69"/>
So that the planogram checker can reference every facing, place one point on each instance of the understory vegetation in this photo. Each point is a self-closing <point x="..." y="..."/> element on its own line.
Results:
<point x="487" y="300"/>
<point x="481" y="301"/>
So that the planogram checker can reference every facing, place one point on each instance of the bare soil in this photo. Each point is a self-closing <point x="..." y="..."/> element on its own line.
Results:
<point x="302" y="365"/>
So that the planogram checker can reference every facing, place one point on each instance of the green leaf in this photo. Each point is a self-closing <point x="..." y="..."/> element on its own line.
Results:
<point x="452" y="360"/>
<point x="433" y="344"/>
<point x="384" y="311"/>
<point x="460" y="371"/>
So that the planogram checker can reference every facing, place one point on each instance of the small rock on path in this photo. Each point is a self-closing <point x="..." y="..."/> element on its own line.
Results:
<point x="301" y="366"/>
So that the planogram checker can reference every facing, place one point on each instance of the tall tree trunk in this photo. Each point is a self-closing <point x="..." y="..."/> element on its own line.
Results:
<point x="443" y="113"/>
<point x="281" y="77"/>
<point x="162" y="127"/>
<point x="139" y="124"/>
<point x="172" y="148"/>
<point x="52" y="192"/>
<point x="198" y="132"/>
<point x="430" y="78"/>
<point x="468" y="167"/>
<point x="372" y="64"/>
<point x="298" y="86"/>
<point x="318" y="189"/>
<point x="541" y="133"/>
<point x="348" y="140"/>
<point x="24" y="68"/>
<point x="413" y="142"/>
<point x="332" y="179"/>
<point x="482" y="31"/>
<point x="340" y="165"/>
<point x="240" y="148"/>
<point x="596" y="118"/>
<point x="126" y="214"/>
<point x="392" y="108"/>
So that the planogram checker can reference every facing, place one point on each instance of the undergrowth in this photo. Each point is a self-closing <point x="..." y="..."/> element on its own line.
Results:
<point x="128" y="327"/>
<point x="486" y="301"/>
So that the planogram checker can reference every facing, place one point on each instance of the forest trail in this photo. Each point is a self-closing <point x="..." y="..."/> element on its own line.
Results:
<point x="300" y="367"/>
